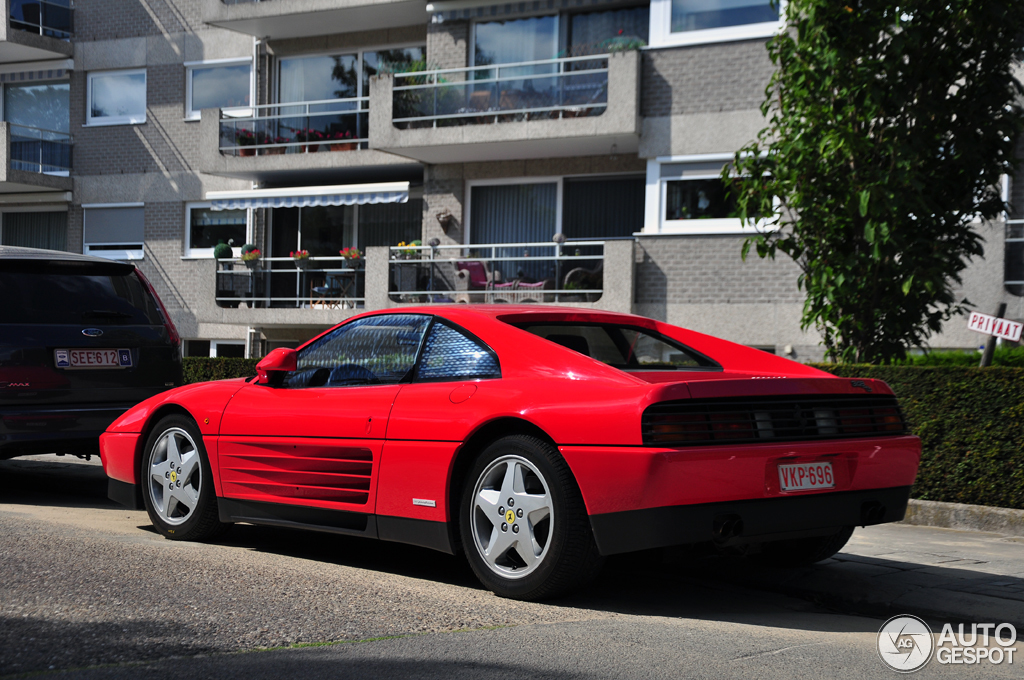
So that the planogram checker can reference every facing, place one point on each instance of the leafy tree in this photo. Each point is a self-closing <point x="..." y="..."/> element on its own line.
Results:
<point x="890" y="124"/>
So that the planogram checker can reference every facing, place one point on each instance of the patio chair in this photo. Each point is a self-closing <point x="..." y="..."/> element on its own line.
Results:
<point x="471" y="276"/>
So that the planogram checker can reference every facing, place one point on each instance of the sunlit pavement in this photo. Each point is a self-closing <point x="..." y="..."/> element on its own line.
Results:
<point x="90" y="591"/>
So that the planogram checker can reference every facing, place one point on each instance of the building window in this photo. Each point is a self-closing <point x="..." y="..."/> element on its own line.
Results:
<point x="116" y="98"/>
<point x="39" y="115"/>
<point x="114" y="231"/>
<point x="220" y="85"/>
<point x="207" y="227"/>
<point x="47" y="230"/>
<point x="687" y="22"/>
<point x="687" y="196"/>
<point x="340" y="83"/>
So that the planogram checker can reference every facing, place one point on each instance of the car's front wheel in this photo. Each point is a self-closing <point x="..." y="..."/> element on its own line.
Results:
<point x="177" y="482"/>
<point x="523" y="523"/>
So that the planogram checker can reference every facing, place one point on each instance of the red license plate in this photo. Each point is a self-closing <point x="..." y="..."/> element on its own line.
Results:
<point x="92" y="358"/>
<point x="804" y="476"/>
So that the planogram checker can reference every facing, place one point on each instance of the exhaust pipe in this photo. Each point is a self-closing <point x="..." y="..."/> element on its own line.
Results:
<point x="725" y="527"/>
<point x="872" y="512"/>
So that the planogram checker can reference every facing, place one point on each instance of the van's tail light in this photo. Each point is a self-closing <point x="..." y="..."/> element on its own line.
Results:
<point x="168" y="324"/>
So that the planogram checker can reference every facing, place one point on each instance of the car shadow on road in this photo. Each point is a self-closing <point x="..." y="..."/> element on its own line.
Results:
<point x="58" y="481"/>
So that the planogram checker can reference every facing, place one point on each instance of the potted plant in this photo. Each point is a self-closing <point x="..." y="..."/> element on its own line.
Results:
<point x="243" y="138"/>
<point x="301" y="258"/>
<point x="222" y="251"/>
<point x="409" y="251"/>
<point x="353" y="257"/>
<point x="309" y="136"/>
<point x="276" y="150"/>
<point x="338" y="141"/>
<point x="251" y="256"/>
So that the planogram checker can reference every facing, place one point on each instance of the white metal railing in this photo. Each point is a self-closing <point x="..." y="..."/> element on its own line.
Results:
<point x="286" y="282"/>
<point x="567" y="86"/>
<point x="37" y="150"/>
<point x="52" y="18"/>
<point x="303" y="127"/>
<point x="507" y="272"/>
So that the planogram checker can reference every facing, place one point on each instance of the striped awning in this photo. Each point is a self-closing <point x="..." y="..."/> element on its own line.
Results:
<point x="309" y="197"/>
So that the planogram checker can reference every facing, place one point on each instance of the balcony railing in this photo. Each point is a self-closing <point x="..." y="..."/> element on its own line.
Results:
<point x="498" y="272"/>
<point x="316" y="283"/>
<point x="295" y="127"/>
<point x="52" y="18"/>
<point x="38" y="150"/>
<point x="570" y="87"/>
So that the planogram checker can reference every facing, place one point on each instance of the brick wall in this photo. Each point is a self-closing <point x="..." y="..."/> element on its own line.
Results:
<point x="448" y="45"/>
<point x="709" y="269"/>
<point x="705" y="78"/>
<point x="112" y="19"/>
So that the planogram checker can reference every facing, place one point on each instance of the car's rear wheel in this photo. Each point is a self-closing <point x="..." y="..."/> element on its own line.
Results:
<point x="803" y="551"/>
<point x="523" y="522"/>
<point x="177" y="482"/>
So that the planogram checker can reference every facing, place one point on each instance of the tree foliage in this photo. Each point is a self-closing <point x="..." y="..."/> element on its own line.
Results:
<point x="889" y="127"/>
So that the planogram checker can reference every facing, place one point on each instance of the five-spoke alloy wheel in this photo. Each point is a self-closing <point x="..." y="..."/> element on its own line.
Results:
<point x="176" y="482"/>
<point x="523" y="523"/>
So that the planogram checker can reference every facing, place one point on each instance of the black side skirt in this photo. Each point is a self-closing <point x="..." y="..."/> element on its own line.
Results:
<point x="432" y="535"/>
<point x="758" y="520"/>
<point x="124" y="493"/>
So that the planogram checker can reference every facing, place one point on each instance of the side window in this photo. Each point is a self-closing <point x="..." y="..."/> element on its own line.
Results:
<point x="375" y="350"/>
<point x="450" y="355"/>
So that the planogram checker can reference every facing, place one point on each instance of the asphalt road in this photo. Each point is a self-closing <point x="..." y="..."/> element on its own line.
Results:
<point x="89" y="590"/>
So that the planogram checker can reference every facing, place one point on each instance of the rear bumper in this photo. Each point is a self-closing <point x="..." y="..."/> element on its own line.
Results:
<point x="752" y="521"/>
<point x="55" y="429"/>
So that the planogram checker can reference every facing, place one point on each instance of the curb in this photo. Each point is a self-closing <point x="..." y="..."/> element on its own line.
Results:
<point x="965" y="517"/>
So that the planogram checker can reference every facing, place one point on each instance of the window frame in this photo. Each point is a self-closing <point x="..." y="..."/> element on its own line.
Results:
<point x="115" y="120"/>
<point x="435" y="320"/>
<point x="239" y="112"/>
<point x="655" y="202"/>
<point x="661" y="35"/>
<point x="207" y="253"/>
<point x="126" y="254"/>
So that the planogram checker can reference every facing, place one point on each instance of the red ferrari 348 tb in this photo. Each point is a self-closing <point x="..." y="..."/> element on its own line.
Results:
<point x="535" y="440"/>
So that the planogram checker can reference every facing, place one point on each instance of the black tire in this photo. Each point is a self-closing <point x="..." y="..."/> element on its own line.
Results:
<point x="202" y="521"/>
<point x="803" y="551"/>
<point x="570" y="558"/>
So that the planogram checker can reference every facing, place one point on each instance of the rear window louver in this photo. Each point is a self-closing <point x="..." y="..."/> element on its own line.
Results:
<point x="696" y="422"/>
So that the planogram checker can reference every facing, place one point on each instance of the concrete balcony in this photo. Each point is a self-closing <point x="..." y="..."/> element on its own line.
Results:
<point x="301" y="142"/>
<point x="282" y="19"/>
<point x="36" y="30"/>
<point x="577" y="106"/>
<point x="35" y="162"/>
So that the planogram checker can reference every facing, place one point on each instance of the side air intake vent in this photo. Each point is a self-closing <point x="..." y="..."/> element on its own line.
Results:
<point x="696" y="422"/>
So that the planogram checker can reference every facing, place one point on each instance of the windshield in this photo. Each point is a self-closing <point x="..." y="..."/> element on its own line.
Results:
<point x="625" y="347"/>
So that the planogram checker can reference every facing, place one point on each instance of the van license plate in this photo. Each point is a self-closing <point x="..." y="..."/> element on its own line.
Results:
<point x="804" y="476"/>
<point x="92" y="358"/>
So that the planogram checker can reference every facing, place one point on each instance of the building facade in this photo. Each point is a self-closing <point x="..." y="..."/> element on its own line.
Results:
<point x="549" y="151"/>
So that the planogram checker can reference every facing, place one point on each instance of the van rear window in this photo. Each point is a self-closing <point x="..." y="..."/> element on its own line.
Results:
<point x="76" y="295"/>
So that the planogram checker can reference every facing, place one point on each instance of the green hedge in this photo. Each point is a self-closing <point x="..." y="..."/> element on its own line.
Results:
<point x="1004" y="356"/>
<point x="201" y="369"/>
<point x="971" y="425"/>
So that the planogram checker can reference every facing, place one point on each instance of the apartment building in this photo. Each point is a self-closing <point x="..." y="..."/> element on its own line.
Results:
<point x="547" y="151"/>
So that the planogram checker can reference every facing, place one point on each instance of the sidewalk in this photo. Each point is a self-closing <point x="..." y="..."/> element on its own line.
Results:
<point x="935" y="573"/>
